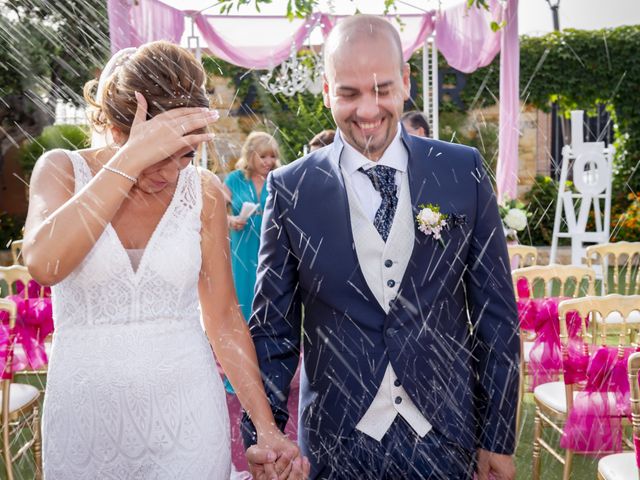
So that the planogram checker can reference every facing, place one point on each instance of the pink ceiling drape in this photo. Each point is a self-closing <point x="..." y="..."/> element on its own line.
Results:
<point x="463" y="36"/>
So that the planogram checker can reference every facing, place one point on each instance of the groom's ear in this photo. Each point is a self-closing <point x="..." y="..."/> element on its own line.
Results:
<point x="406" y="81"/>
<point x="325" y="92"/>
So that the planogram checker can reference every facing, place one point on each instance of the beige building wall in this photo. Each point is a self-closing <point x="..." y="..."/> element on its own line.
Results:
<point x="533" y="145"/>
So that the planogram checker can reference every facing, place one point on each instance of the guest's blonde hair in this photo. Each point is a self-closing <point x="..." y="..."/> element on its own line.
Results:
<point x="257" y="143"/>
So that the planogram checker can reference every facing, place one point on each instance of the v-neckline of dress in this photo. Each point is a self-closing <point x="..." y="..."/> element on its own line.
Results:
<point x="135" y="273"/>
<point x="254" y="191"/>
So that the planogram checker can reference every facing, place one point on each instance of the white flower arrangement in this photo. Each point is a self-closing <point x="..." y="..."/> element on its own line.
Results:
<point x="514" y="218"/>
<point x="431" y="222"/>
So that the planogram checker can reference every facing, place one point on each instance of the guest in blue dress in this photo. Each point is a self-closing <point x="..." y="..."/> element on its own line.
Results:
<point x="260" y="154"/>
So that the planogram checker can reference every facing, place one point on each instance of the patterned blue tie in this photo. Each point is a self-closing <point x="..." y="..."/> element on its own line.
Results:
<point x="384" y="181"/>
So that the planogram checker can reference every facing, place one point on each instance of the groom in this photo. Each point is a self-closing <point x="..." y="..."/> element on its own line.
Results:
<point x="410" y="365"/>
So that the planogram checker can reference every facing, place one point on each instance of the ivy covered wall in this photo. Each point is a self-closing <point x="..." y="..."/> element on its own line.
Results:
<point x="580" y="69"/>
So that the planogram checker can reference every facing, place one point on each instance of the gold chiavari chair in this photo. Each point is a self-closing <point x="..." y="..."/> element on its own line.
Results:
<point x="20" y="410"/>
<point x="570" y="282"/>
<point x="623" y="466"/>
<point x="522" y="255"/>
<point x="617" y="255"/>
<point x="554" y="400"/>
<point x="623" y="254"/>
<point x="13" y="274"/>
<point x="16" y="252"/>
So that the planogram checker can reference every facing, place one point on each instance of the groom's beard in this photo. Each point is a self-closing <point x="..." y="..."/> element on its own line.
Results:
<point x="371" y="145"/>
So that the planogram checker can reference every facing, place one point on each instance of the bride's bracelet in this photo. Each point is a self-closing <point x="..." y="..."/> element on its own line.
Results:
<point x="120" y="172"/>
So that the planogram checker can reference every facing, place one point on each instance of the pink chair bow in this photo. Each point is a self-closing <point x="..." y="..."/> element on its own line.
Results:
<point x="34" y="322"/>
<point x="594" y="423"/>
<point x="540" y="315"/>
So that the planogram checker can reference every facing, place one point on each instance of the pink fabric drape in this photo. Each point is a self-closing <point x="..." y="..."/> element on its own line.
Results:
<point x="132" y="25"/>
<point x="261" y="57"/>
<point x="507" y="168"/>
<point x="427" y="26"/>
<point x="464" y="36"/>
<point x="121" y="29"/>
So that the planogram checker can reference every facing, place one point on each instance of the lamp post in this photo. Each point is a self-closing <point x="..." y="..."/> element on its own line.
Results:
<point x="554" y="5"/>
<point x="556" y="127"/>
<point x="193" y="43"/>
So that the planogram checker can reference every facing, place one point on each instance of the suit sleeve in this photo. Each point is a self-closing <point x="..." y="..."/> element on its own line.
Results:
<point x="494" y="318"/>
<point x="276" y="321"/>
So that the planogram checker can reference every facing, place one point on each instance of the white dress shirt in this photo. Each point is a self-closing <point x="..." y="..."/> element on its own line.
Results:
<point x="351" y="160"/>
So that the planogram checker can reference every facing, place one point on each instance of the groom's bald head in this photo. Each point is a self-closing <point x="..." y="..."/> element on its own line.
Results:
<point x="357" y="30"/>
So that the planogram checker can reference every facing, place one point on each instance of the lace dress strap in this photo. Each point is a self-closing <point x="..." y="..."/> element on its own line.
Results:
<point x="81" y="170"/>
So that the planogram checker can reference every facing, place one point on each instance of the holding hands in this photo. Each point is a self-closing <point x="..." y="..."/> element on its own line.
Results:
<point x="275" y="457"/>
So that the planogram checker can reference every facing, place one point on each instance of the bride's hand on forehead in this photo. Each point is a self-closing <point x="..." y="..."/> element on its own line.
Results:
<point x="151" y="141"/>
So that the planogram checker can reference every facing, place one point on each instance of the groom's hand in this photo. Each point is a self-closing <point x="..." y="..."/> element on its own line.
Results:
<point x="501" y="467"/>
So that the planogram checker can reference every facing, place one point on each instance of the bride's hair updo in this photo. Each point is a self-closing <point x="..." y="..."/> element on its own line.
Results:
<point x="168" y="76"/>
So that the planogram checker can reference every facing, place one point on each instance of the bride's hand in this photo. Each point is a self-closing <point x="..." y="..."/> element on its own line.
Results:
<point x="151" y="141"/>
<point x="289" y="464"/>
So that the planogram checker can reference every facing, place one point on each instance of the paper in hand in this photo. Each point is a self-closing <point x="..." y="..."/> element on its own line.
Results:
<point x="248" y="209"/>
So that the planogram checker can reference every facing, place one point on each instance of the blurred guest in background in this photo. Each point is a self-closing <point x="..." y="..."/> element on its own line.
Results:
<point x="322" y="139"/>
<point x="260" y="154"/>
<point x="416" y="123"/>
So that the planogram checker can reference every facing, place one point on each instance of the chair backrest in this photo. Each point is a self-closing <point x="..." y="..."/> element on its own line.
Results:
<point x="563" y="274"/>
<point x="13" y="274"/>
<point x="589" y="308"/>
<point x="522" y="255"/>
<point x="6" y="378"/>
<point x="16" y="252"/>
<point x="634" y="367"/>
<point x="625" y="254"/>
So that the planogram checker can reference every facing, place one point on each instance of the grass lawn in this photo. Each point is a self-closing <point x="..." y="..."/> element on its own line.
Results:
<point x="584" y="467"/>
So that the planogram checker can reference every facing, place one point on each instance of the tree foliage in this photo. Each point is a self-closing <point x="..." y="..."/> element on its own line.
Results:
<point x="48" y="50"/>
<point x="52" y="48"/>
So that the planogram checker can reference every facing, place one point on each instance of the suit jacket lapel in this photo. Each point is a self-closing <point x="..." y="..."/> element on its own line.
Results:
<point x="424" y="189"/>
<point x="337" y="201"/>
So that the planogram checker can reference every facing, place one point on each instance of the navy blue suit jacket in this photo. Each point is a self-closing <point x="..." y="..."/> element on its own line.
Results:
<point x="451" y="333"/>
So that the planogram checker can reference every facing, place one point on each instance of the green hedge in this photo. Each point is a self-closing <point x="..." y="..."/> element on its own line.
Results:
<point x="69" y="137"/>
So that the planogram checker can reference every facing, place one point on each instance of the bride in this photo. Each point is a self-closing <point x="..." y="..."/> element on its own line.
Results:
<point x="132" y="237"/>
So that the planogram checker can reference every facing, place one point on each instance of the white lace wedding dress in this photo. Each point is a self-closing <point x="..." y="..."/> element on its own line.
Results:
<point x="133" y="391"/>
